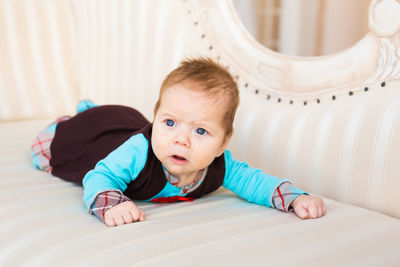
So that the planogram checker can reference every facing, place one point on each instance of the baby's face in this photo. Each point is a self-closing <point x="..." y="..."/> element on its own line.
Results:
<point x="187" y="130"/>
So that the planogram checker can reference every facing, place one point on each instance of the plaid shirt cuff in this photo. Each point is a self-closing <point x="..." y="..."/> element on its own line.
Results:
<point x="105" y="201"/>
<point x="284" y="194"/>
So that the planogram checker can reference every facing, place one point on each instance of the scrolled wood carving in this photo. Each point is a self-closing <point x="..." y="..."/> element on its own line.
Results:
<point x="384" y="23"/>
<point x="374" y="59"/>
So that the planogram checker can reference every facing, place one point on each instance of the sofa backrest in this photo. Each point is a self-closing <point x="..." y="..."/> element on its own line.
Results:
<point x="55" y="53"/>
<point x="37" y="59"/>
<point x="330" y="124"/>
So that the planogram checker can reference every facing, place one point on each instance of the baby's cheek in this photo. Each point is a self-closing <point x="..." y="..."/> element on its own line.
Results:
<point x="205" y="156"/>
<point x="157" y="148"/>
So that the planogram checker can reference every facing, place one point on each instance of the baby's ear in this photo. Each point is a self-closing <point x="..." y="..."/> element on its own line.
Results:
<point x="224" y="144"/>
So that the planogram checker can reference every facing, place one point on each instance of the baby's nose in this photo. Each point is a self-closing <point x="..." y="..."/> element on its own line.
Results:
<point x="182" y="139"/>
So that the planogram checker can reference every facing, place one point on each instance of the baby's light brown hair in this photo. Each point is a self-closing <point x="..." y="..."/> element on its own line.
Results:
<point x="209" y="77"/>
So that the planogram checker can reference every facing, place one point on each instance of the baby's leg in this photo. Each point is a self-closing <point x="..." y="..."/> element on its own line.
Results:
<point x="40" y="149"/>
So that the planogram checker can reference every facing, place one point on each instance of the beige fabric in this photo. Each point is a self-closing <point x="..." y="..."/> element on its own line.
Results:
<point x="126" y="48"/>
<point x="38" y="61"/>
<point x="44" y="223"/>
<point x="347" y="149"/>
<point x="54" y="53"/>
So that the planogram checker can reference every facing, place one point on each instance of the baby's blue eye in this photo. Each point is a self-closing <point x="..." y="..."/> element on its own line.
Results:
<point x="201" y="131"/>
<point x="170" y="123"/>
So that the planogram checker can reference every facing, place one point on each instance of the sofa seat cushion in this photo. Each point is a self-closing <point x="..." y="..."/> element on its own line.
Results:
<point x="44" y="223"/>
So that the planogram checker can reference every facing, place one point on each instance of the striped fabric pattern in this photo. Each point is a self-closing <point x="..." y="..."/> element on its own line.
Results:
<point x="54" y="53"/>
<point x="44" y="223"/>
<point x="119" y="61"/>
<point x="346" y="149"/>
<point x="38" y="59"/>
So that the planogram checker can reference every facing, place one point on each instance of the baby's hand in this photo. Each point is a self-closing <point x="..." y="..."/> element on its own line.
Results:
<point x="308" y="207"/>
<point x="123" y="213"/>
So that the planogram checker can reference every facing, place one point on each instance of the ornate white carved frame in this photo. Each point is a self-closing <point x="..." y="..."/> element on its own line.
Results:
<point x="301" y="80"/>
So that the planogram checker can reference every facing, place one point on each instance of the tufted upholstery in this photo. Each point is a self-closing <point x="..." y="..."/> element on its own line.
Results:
<point x="311" y="120"/>
<point x="55" y="53"/>
<point x="313" y="123"/>
<point x="347" y="149"/>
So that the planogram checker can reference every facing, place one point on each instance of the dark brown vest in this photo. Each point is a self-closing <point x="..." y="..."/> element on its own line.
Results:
<point x="88" y="137"/>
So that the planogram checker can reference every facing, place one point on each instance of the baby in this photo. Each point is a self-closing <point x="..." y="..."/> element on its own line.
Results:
<point x="119" y="156"/>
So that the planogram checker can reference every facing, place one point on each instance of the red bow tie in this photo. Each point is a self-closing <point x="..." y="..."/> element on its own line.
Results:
<point x="172" y="199"/>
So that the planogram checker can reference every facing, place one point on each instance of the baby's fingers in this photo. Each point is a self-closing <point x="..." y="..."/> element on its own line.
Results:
<point x="313" y="211"/>
<point x="142" y="215"/>
<point x="323" y="207"/>
<point x="136" y="214"/>
<point x="119" y="220"/>
<point x="317" y="210"/>
<point x="321" y="210"/>
<point x="302" y="212"/>
<point x="127" y="217"/>
<point x="109" y="220"/>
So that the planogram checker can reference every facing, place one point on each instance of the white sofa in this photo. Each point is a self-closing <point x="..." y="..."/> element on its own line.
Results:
<point x="330" y="124"/>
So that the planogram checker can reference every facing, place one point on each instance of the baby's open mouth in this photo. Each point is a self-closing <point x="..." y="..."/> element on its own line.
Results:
<point x="178" y="157"/>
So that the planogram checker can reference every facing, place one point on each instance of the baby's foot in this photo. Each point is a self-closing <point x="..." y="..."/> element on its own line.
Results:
<point x="84" y="105"/>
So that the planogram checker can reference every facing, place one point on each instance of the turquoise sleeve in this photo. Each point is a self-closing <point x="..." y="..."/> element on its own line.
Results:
<point x="117" y="170"/>
<point x="249" y="183"/>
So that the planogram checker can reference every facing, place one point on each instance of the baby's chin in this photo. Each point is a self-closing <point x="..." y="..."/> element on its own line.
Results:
<point x="177" y="170"/>
<point x="174" y="170"/>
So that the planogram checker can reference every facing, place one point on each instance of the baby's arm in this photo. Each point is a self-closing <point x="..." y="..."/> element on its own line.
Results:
<point x="105" y="184"/>
<point x="123" y="213"/>
<point x="287" y="198"/>
<point x="258" y="187"/>
<point x="308" y="207"/>
<point x="114" y="208"/>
